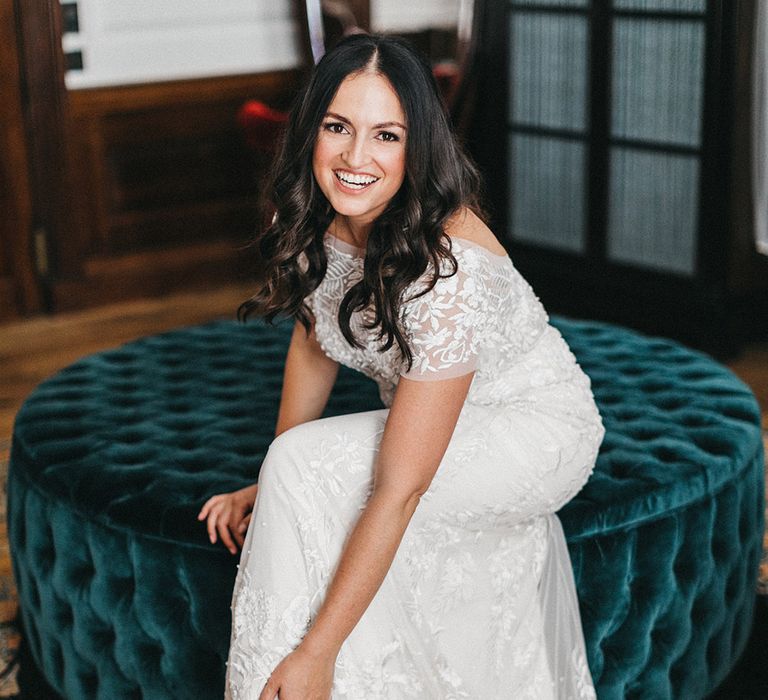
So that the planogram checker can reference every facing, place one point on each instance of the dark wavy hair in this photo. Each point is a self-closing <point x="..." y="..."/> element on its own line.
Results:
<point x="409" y="235"/>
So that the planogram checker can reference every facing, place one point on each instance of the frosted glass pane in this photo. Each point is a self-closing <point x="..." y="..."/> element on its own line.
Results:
<point x="547" y="191"/>
<point x="667" y="5"/>
<point x="548" y="70"/>
<point x="653" y="210"/>
<point x="658" y="80"/>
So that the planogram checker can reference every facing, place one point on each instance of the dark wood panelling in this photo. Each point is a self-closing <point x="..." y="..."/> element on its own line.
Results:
<point x="167" y="188"/>
<point x="142" y="189"/>
<point x="19" y="289"/>
<point x="169" y="172"/>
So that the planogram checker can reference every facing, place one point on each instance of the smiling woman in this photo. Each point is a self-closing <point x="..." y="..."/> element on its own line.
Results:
<point x="414" y="550"/>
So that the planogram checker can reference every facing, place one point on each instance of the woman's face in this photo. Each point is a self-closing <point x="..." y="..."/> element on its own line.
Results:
<point x="359" y="155"/>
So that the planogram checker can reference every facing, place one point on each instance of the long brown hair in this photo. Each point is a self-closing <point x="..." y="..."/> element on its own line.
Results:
<point x="405" y="240"/>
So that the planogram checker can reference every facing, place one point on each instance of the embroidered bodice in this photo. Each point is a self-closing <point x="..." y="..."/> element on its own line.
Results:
<point x="484" y="318"/>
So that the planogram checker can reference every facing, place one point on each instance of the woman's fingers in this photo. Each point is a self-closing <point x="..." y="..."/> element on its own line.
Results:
<point x="238" y="534"/>
<point x="226" y="520"/>
<point x="243" y="526"/>
<point x="213" y="516"/>
<point x="235" y="519"/>
<point x="240" y="529"/>
<point x="203" y="514"/>
<point x="222" y="526"/>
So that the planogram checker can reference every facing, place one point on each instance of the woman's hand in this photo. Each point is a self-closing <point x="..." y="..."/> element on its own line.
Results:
<point x="301" y="675"/>
<point x="228" y="514"/>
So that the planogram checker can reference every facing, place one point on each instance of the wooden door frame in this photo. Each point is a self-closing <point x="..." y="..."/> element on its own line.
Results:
<point x="17" y="223"/>
<point x="47" y="120"/>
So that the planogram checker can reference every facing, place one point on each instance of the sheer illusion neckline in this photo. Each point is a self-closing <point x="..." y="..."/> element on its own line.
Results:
<point x="358" y="252"/>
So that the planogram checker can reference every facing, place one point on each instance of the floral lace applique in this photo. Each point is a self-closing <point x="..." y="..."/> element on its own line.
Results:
<point x="461" y="614"/>
<point x="384" y="675"/>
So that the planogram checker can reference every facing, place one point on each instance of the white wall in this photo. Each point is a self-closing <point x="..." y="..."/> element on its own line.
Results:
<point x="413" y="15"/>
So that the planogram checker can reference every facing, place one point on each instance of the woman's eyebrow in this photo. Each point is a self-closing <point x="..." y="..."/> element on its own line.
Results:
<point x="337" y="116"/>
<point x="383" y="125"/>
<point x="386" y="125"/>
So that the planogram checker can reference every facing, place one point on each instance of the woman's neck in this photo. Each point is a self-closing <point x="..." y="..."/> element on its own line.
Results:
<point x="355" y="233"/>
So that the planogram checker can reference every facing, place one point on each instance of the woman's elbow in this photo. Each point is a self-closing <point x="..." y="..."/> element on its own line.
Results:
<point x="403" y="497"/>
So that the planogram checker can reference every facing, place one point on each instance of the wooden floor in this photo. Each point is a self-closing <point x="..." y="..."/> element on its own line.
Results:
<point x="752" y="367"/>
<point x="34" y="349"/>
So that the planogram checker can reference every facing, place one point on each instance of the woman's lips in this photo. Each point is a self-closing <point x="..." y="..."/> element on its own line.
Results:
<point x="354" y="182"/>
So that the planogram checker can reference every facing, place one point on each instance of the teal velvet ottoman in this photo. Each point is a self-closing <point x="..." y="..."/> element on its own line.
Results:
<point x="122" y="596"/>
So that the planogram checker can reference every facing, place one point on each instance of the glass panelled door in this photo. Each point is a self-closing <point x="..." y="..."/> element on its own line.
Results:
<point x="548" y="123"/>
<point x="614" y="90"/>
<point x="657" y="89"/>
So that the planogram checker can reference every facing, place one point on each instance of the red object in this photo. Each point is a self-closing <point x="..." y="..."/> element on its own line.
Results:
<point x="261" y="125"/>
<point x="447" y="77"/>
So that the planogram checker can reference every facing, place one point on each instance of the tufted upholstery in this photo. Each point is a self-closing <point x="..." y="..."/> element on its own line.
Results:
<point x="122" y="595"/>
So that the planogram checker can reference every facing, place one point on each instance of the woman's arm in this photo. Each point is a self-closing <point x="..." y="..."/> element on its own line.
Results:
<point x="419" y="427"/>
<point x="308" y="379"/>
<point x="307" y="382"/>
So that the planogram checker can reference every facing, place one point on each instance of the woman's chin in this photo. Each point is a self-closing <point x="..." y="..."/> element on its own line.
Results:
<point x="360" y="212"/>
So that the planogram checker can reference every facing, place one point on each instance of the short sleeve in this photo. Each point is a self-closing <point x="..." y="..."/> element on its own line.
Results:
<point x="442" y="327"/>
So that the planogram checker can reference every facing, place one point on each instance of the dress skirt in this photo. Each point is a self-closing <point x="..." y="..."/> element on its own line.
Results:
<point x="479" y="602"/>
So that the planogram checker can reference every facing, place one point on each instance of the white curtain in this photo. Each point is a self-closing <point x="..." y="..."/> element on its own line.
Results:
<point x="760" y="128"/>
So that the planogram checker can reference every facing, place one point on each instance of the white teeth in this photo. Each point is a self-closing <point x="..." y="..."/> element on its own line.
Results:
<point x="356" y="181"/>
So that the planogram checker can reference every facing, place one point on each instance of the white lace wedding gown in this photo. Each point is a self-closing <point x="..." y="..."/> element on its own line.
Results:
<point x="480" y="601"/>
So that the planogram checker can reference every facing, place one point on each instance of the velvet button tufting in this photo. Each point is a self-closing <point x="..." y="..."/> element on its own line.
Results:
<point x="123" y="596"/>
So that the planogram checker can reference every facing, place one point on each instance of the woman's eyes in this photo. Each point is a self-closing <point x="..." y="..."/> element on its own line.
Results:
<point x="334" y="127"/>
<point x="339" y="128"/>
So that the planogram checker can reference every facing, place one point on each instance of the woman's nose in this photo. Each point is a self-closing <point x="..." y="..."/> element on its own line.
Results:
<point x="356" y="155"/>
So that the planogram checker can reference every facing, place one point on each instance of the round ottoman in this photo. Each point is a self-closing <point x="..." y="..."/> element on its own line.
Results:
<point x="122" y="596"/>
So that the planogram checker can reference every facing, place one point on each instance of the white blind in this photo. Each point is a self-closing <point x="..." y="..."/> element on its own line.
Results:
<point x="137" y="41"/>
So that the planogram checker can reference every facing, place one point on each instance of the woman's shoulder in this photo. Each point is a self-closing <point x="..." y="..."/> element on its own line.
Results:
<point x="480" y="260"/>
<point x="467" y="226"/>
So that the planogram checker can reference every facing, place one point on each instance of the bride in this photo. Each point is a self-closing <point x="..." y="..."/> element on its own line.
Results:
<point x="411" y="551"/>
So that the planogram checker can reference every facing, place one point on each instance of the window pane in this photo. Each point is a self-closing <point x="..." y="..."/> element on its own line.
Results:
<point x="664" y="5"/>
<point x="548" y="70"/>
<point x="653" y="210"/>
<point x="547" y="191"/>
<point x="658" y="80"/>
